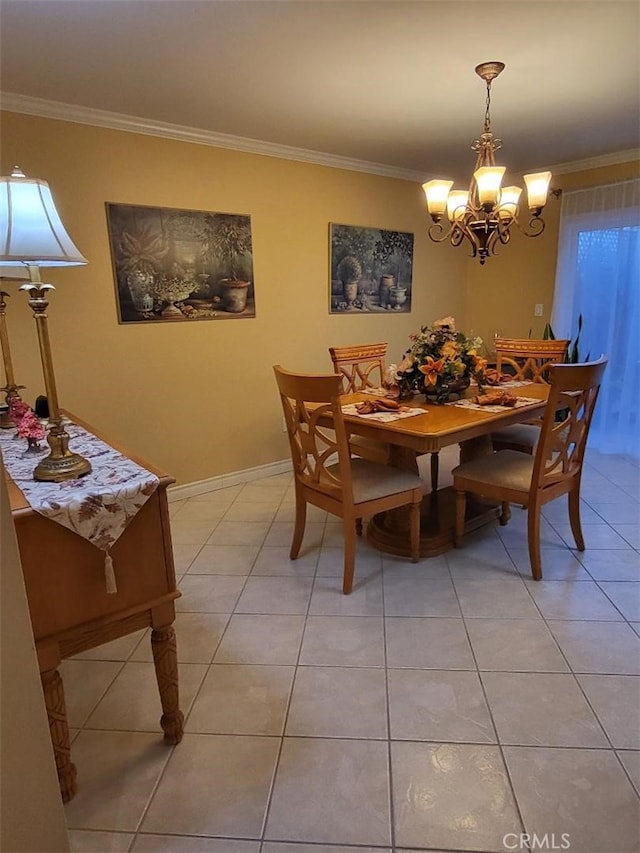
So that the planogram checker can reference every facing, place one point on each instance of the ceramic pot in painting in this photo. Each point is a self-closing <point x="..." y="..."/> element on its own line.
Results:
<point x="140" y="284"/>
<point x="386" y="283"/>
<point x="398" y="296"/>
<point x="234" y="295"/>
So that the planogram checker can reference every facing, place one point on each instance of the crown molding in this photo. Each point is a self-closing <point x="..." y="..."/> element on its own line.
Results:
<point x="119" y="121"/>
<point x="132" y="124"/>
<point x="596" y="162"/>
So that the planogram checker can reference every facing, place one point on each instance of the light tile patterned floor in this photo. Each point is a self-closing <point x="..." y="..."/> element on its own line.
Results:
<point x="451" y="705"/>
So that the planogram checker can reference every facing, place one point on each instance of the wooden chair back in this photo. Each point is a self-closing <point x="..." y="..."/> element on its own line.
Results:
<point x="556" y="469"/>
<point x="560" y="451"/>
<point x="360" y="366"/>
<point x="313" y="447"/>
<point x="529" y="359"/>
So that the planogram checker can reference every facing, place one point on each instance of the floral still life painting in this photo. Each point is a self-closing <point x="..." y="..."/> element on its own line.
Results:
<point x="180" y="264"/>
<point x="440" y="362"/>
<point x="371" y="270"/>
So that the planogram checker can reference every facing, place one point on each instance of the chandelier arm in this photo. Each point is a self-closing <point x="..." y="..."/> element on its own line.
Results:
<point x="500" y="235"/>
<point x="503" y="232"/>
<point x="439" y="235"/>
<point x="462" y="231"/>
<point x="534" y="227"/>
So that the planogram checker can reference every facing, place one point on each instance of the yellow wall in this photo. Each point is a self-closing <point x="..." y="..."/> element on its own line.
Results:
<point x="199" y="399"/>
<point x="501" y="295"/>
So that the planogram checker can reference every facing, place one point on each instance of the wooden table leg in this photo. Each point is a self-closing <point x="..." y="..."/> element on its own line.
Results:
<point x="165" y="659"/>
<point x="59" y="730"/>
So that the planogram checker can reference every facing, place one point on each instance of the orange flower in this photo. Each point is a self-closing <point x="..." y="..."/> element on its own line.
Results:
<point x="432" y="370"/>
<point x="480" y="364"/>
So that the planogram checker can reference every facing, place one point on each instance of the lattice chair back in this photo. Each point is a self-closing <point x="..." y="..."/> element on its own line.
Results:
<point x="359" y="366"/>
<point x="529" y="359"/>
<point x="314" y="448"/>
<point x="560" y="452"/>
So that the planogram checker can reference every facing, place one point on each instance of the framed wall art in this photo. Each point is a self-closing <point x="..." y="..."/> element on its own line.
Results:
<point x="371" y="270"/>
<point x="172" y="265"/>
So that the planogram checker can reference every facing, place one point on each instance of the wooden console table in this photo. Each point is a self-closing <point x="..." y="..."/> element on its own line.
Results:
<point x="71" y="610"/>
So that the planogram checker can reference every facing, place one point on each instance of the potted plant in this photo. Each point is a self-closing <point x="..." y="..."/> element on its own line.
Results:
<point x="230" y="242"/>
<point x="349" y="272"/>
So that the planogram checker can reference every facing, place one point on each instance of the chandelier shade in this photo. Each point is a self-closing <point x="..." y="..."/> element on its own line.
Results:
<point x="484" y="214"/>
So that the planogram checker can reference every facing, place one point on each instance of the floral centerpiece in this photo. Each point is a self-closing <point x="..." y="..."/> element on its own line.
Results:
<point x="440" y="361"/>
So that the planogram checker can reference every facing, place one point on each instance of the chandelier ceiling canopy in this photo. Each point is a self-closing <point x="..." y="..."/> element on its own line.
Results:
<point x="485" y="212"/>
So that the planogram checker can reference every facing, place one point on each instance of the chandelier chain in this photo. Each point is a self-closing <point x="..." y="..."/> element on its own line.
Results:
<point x="487" y="114"/>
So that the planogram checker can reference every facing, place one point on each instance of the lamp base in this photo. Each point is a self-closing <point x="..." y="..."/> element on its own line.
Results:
<point x="61" y="464"/>
<point x="52" y="470"/>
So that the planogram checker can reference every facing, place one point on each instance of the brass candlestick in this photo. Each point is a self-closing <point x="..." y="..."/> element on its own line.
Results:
<point x="61" y="464"/>
<point x="12" y="391"/>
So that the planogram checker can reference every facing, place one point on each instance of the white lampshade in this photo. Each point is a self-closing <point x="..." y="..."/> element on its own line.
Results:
<point x="437" y="193"/>
<point x="13" y="273"/>
<point x="488" y="180"/>
<point x="537" y="188"/>
<point x="31" y="231"/>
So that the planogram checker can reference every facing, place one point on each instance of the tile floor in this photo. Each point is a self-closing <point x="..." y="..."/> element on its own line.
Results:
<point x="446" y="706"/>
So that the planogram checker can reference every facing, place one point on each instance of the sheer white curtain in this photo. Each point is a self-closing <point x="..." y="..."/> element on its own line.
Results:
<point x="598" y="277"/>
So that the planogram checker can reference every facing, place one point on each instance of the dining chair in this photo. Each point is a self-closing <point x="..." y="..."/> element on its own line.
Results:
<point x="327" y="476"/>
<point x="509" y="476"/>
<point x="528" y="360"/>
<point x="362" y="366"/>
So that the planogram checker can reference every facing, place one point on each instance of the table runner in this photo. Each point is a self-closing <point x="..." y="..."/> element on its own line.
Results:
<point x="98" y="506"/>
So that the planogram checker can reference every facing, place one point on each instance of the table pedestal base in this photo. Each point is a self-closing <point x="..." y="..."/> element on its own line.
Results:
<point x="389" y="531"/>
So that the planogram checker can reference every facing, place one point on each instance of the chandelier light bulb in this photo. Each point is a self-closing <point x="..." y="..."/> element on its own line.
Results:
<point x="537" y="189"/>
<point x="509" y="199"/>
<point x="488" y="180"/>
<point x="457" y="205"/>
<point x="437" y="193"/>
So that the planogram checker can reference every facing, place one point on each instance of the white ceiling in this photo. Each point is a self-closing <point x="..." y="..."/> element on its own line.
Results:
<point x="388" y="82"/>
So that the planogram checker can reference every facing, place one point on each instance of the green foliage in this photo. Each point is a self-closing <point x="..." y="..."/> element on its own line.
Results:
<point x="349" y="269"/>
<point x="573" y="352"/>
<point x="229" y="240"/>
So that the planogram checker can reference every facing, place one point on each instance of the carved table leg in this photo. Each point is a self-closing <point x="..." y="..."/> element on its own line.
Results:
<point x="163" y="646"/>
<point x="59" y="729"/>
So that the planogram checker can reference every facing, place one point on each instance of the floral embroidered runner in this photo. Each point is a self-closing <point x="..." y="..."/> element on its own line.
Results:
<point x="385" y="417"/>
<point x="98" y="506"/>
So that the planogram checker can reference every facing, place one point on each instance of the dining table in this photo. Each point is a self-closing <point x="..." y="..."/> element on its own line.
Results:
<point x="430" y="428"/>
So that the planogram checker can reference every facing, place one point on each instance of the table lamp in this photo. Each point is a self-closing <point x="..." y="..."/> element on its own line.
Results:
<point x="32" y="236"/>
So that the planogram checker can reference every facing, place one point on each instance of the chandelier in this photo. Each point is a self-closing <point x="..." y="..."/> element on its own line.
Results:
<point x="484" y="214"/>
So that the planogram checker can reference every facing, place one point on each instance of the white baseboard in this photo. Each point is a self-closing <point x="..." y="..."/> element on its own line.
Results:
<point x="201" y="487"/>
